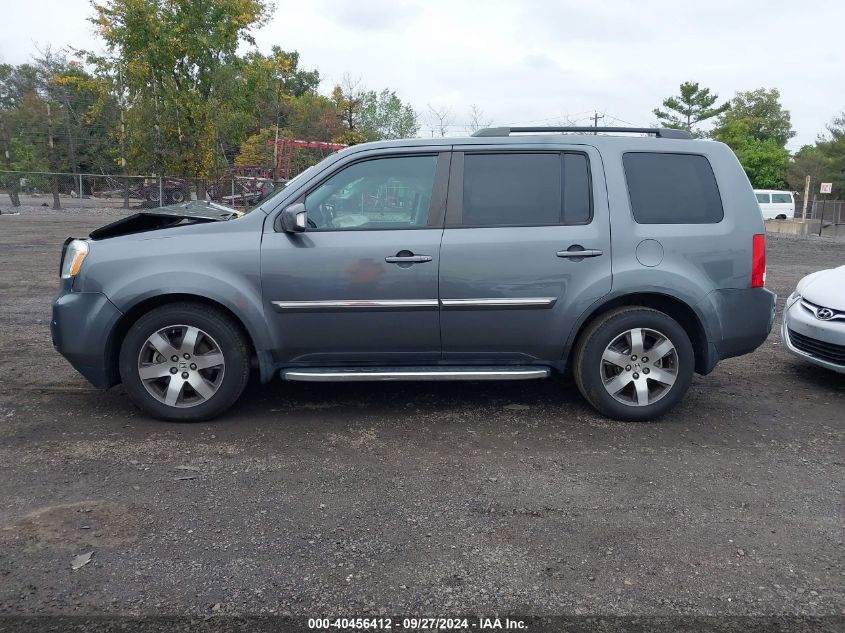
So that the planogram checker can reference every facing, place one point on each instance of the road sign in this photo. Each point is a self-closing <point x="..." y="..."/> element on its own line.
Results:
<point x="826" y="187"/>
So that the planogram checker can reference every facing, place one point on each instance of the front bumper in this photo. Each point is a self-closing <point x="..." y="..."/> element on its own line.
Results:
<point x="819" y="342"/>
<point x="82" y="326"/>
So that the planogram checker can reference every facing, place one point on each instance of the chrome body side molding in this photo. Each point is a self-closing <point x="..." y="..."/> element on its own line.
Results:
<point x="417" y="304"/>
<point x="358" y="304"/>
<point x="499" y="303"/>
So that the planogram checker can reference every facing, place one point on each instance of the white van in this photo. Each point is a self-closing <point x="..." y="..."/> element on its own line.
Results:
<point x="775" y="204"/>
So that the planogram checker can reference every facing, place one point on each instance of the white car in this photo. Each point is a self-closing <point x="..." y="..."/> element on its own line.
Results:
<point x="775" y="205"/>
<point x="814" y="319"/>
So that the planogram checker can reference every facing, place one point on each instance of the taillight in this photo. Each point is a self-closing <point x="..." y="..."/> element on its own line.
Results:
<point x="758" y="261"/>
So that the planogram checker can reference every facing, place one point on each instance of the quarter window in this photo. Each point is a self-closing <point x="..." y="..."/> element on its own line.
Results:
<point x="522" y="189"/>
<point x="391" y="193"/>
<point x="669" y="188"/>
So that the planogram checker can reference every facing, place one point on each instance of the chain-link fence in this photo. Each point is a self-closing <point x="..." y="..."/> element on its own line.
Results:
<point x="239" y="188"/>
<point x="830" y="211"/>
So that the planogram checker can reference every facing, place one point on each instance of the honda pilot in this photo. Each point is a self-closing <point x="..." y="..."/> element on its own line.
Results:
<point x="631" y="257"/>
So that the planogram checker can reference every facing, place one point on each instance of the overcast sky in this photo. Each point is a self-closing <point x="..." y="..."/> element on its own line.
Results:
<point x="533" y="61"/>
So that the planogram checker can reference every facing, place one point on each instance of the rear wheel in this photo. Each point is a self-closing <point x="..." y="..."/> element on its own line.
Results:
<point x="633" y="363"/>
<point x="184" y="362"/>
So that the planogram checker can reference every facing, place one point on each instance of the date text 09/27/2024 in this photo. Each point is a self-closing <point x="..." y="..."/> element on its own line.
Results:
<point x="416" y="624"/>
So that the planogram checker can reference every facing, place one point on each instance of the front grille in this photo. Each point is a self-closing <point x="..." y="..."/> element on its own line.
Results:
<point x="820" y="349"/>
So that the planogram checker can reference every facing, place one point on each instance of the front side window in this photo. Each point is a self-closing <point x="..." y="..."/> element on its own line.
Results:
<point x="781" y="198"/>
<point x="762" y="198"/>
<point x="390" y="193"/>
<point x="667" y="188"/>
<point x="521" y="189"/>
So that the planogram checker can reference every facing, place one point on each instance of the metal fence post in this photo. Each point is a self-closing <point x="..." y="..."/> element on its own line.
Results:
<point x="160" y="192"/>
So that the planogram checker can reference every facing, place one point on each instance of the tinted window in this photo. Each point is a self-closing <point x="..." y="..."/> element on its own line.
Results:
<point x="781" y="198"/>
<point x="390" y="193"/>
<point x="762" y="198"/>
<point x="672" y="188"/>
<point x="525" y="189"/>
<point x="576" y="189"/>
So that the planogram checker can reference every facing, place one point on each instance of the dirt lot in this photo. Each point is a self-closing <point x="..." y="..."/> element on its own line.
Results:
<point x="415" y="499"/>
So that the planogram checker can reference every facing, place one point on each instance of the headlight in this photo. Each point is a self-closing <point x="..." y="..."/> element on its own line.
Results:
<point x="73" y="255"/>
<point x="791" y="299"/>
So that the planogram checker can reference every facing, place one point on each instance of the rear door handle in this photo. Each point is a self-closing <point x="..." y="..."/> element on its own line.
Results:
<point x="408" y="259"/>
<point x="579" y="253"/>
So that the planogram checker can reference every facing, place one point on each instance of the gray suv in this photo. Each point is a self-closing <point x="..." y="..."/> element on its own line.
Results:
<point x="631" y="260"/>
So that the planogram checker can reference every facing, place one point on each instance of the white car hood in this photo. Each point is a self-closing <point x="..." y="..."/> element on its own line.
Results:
<point x="827" y="289"/>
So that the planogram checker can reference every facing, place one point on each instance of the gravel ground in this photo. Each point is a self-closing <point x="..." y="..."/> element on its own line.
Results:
<point x="430" y="499"/>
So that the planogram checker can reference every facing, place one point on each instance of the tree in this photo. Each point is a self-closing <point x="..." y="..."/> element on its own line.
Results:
<point x="477" y="120"/>
<point x="348" y="98"/>
<point x="762" y="113"/>
<point x="19" y="143"/>
<point x="832" y="148"/>
<point x="808" y="161"/>
<point x="764" y="161"/>
<point x="439" y="119"/>
<point x="169" y="55"/>
<point x="692" y="106"/>
<point x="384" y="116"/>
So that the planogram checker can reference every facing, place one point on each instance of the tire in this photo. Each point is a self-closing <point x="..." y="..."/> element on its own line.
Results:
<point x="606" y="344"/>
<point x="176" y="196"/>
<point x="780" y="216"/>
<point x="151" y="199"/>
<point x="211" y="350"/>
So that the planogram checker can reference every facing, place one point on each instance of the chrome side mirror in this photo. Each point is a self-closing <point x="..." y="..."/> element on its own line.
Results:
<point x="294" y="218"/>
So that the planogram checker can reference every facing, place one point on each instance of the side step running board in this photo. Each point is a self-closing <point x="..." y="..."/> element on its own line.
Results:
<point x="361" y="374"/>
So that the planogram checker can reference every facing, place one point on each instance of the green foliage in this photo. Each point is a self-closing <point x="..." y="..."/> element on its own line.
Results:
<point x="384" y="116"/>
<point x="808" y="161"/>
<point x="756" y="127"/>
<point x="761" y="112"/>
<point x="167" y="56"/>
<point x="764" y="161"/>
<point x="171" y="95"/>
<point x="692" y="106"/>
<point x="831" y="149"/>
<point x="373" y="115"/>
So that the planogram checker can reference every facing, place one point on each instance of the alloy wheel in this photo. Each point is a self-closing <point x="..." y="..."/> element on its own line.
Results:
<point x="181" y="366"/>
<point x="639" y="367"/>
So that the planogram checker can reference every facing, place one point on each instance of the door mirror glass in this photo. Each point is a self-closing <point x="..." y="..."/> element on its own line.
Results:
<point x="294" y="218"/>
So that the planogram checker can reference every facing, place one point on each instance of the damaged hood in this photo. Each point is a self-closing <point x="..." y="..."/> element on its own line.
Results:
<point x="164" y="217"/>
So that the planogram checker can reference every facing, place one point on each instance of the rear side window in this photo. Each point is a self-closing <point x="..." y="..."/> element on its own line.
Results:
<point x="520" y="189"/>
<point x="672" y="188"/>
<point x="762" y="198"/>
<point x="781" y="198"/>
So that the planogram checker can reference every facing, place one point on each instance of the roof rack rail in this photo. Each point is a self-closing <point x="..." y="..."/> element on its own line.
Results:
<point x="659" y="132"/>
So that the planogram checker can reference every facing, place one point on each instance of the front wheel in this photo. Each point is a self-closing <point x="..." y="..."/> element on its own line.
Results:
<point x="634" y="363"/>
<point x="184" y="362"/>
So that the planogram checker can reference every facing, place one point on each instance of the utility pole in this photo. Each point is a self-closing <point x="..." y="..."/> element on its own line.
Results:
<point x="596" y="116"/>
<point x="806" y="196"/>
<point x="52" y="157"/>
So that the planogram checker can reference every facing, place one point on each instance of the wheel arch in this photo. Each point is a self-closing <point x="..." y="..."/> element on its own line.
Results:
<point x="150" y="303"/>
<point x="676" y="308"/>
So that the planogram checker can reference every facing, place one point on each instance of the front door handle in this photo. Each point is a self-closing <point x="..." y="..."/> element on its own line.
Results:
<point x="578" y="252"/>
<point x="408" y="259"/>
